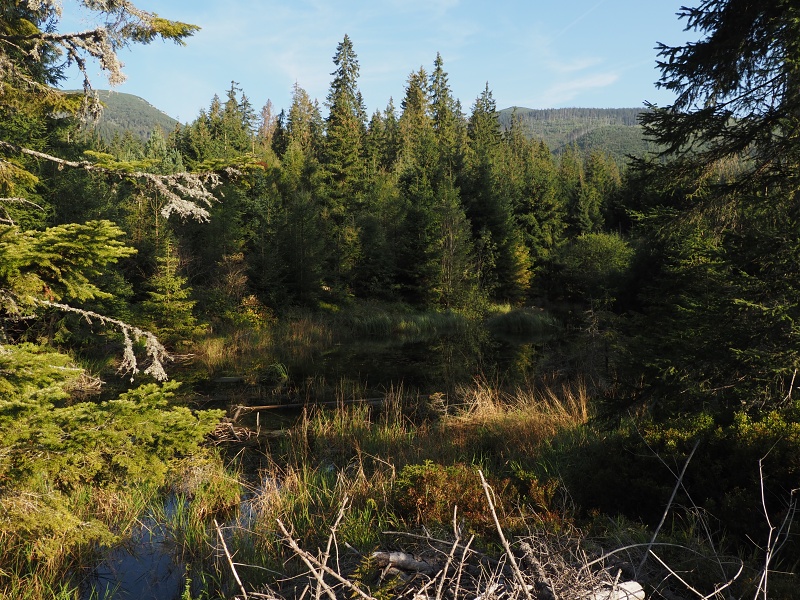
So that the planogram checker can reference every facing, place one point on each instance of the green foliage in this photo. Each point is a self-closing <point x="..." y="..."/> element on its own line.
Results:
<point x="169" y="305"/>
<point x="32" y="374"/>
<point x="523" y="321"/>
<point x="632" y="470"/>
<point x="426" y="494"/>
<point x="131" y="438"/>
<point x="592" y="268"/>
<point x="561" y="127"/>
<point x="125" y="113"/>
<point x="59" y="262"/>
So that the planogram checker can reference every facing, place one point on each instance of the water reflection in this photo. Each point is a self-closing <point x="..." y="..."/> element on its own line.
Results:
<point x="146" y="568"/>
<point x="434" y="364"/>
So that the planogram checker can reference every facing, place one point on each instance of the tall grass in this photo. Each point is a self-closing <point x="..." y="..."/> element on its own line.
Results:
<point x="300" y="335"/>
<point x="360" y="453"/>
<point x="521" y="321"/>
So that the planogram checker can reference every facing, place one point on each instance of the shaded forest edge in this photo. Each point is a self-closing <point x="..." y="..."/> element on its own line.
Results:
<point x="215" y="247"/>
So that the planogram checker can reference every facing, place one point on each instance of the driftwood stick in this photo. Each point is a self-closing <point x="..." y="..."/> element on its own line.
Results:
<point x="461" y="564"/>
<point x="312" y="559"/>
<point x="450" y="556"/>
<point x="240" y="409"/>
<point x="517" y="573"/>
<point x="319" y="576"/>
<point x="678" y="484"/>
<point x="678" y="577"/>
<point x="332" y="536"/>
<point x="230" y="559"/>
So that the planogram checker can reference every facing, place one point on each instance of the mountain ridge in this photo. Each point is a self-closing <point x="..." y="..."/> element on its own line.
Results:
<point x="615" y="131"/>
<point x="127" y="112"/>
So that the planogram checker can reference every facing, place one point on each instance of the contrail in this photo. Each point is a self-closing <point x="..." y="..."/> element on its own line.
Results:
<point x="579" y="19"/>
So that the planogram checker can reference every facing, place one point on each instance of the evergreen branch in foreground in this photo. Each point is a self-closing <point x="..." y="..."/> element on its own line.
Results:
<point x="185" y="192"/>
<point x="154" y="349"/>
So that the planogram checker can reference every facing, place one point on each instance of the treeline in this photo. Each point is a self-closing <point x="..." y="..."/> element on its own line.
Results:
<point x="443" y="209"/>
<point x="422" y="203"/>
<point x="604" y="116"/>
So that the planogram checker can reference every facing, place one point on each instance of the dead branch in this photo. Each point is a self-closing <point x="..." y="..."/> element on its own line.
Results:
<point x="230" y="559"/>
<point x="678" y="485"/>
<point x="515" y="567"/>
<point x="310" y="558"/>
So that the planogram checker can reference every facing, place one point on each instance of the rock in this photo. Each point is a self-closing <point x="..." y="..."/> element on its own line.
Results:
<point x="627" y="590"/>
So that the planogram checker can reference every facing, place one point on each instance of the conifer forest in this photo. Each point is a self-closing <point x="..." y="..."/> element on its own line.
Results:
<point x="307" y="351"/>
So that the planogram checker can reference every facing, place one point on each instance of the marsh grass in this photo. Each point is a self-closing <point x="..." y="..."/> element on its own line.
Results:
<point x="521" y="321"/>
<point x="517" y="423"/>
<point x="381" y="460"/>
<point x="238" y="351"/>
<point x="300" y="336"/>
<point x="50" y="539"/>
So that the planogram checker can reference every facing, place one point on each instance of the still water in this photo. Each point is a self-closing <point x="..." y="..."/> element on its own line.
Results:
<point x="148" y="570"/>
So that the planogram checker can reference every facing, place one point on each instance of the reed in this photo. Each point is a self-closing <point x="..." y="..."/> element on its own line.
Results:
<point x="522" y="321"/>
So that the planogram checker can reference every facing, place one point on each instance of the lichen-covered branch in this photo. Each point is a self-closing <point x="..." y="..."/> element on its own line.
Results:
<point x="187" y="194"/>
<point x="155" y="351"/>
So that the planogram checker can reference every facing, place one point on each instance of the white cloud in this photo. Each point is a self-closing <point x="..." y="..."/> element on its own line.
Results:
<point x="573" y="65"/>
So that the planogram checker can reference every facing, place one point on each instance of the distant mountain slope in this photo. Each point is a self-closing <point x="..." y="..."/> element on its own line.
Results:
<point x="615" y="131"/>
<point x="126" y="112"/>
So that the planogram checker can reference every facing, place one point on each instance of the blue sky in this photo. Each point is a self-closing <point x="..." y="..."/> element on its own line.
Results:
<point x="532" y="53"/>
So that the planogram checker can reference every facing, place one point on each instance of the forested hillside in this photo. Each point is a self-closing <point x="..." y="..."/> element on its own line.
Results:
<point x="626" y="338"/>
<point x="128" y="113"/>
<point x="614" y="131"/>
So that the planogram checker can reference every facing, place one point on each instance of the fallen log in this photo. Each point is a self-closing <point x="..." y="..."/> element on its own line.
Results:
<point x="248" y="409"/>
<point x="627" y="590"/>
<point x="403" y="561"/>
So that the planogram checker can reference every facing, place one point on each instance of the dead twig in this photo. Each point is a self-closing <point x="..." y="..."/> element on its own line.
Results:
<point x="230" y="559"/>
<point x="678" y="485"/>
<point x="515" y="567"/>
<point x="310" y="559"/>
<point x="777" y="536"/>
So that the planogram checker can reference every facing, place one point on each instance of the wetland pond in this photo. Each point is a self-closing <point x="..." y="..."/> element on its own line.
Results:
<point x="368" y="367"/>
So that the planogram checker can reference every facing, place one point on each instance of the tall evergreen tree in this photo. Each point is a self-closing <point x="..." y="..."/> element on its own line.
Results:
<point x="448" y="123"/>
<point x="723" y="305"/>
<point x="417" y="161"/>
<point x="529" y="181"/>
<point x="343" y="158"/>
<point x="502" y="255"/>
<point x="570" y="183"/>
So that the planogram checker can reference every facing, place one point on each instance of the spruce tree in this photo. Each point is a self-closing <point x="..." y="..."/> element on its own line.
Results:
<point x="416" y="165"/>
<point x="169" y="304"/>
<point x="504" y="259"/>
<point x="448" y="123"/>
<point x="529" y="180"/>
<point x="343" y="159"/>
<point x="723" y="305"/>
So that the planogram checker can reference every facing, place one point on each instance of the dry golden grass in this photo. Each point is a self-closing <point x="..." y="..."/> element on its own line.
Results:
<point x="238" y="352"/>
<point x="516" y="422"/>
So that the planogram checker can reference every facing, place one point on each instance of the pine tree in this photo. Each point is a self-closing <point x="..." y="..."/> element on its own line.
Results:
<point x="267" y="124"/>
<point x="529" y="181"/>
<point x="722" y="307"/>
<point x="448" y="123"/>
<point x="504" y="259"/>
<point x="416" y="165"/>
<point x="169" y="304"/>
<point x="343" y="159"/>
<point x="570" y="183"/>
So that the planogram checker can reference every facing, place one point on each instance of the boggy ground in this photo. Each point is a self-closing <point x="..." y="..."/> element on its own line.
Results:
<point x="469" y="499"/>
